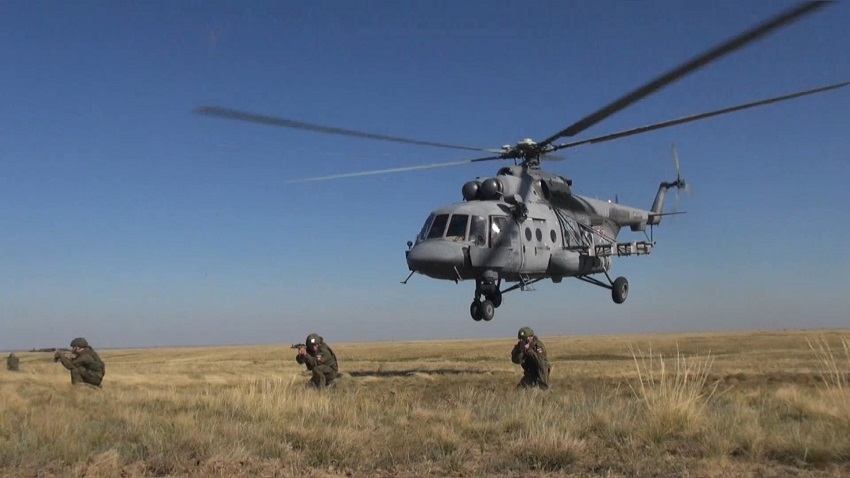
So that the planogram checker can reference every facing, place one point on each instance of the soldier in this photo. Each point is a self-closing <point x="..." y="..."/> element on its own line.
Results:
<point x="320" y="360"/>
<point x="12" y="362"/>
<point x="85" y="364"/>
<point x="531" y="354"/>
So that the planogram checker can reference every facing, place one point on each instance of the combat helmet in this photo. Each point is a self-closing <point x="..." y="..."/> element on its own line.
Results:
<point x="313" y="339"/>
<point x="524" y="332"/>
<point x="79" y="342"/>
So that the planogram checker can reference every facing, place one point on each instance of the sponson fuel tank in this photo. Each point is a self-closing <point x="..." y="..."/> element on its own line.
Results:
<point x="571" y="263"/>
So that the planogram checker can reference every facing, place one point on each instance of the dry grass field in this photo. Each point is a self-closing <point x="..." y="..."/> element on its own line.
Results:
<point x="713" y="405"/>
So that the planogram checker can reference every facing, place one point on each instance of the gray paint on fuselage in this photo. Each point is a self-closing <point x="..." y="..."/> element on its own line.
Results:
<point x="517" y="256"/>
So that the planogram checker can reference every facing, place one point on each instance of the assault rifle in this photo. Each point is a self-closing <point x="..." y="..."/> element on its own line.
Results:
<point x="58" y="352"/>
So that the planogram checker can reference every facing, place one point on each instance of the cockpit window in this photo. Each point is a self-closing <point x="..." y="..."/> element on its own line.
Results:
<point x="424" y="231"/>
<point x="457" y="227"/>
<point x="478" y="231"/>
<point x="499" y="231"/>
<point x="438" y="226"/>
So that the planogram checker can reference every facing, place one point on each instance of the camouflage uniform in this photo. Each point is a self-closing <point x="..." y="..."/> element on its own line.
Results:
<point x="531" y="354"/>
<point x="12" y="362"/>
<point x="320" y="360"/>
<point x="85" y="366"/>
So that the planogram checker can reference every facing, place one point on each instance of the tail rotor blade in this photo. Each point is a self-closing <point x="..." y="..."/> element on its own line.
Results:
<point x="676" y="161"/>
<point x="677" y="204"/>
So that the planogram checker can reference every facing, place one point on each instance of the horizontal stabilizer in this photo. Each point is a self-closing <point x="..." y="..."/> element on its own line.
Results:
<point x="666" y="213"/>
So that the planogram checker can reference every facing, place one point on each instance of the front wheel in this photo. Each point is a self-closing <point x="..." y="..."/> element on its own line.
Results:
<point x="475" y="310"/>
<point x="487" y="310"/>
<point x="620" y="290"/>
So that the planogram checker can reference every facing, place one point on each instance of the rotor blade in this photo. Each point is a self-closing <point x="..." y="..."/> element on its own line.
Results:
<point x="677" y="203"/>
<point x="488" y="158"/>
<point x="227" y="113"/>
<point x="697" y="117"/>
<point x="680" y="71"/>
<point x="389" y="170"/>
<point x="676" y="161"/>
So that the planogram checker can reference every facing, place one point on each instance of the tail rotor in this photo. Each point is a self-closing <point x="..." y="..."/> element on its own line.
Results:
<point x="680" y="184"/>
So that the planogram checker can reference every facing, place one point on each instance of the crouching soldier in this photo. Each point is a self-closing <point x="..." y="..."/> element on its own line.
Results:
<point x="530" y="353"/>
<point x="84" y="363"/>
<point x="13" y="363"/>
<point x="319" y="359"/>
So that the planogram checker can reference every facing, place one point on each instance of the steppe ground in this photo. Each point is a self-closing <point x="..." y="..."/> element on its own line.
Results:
<point x="762" y="404"/>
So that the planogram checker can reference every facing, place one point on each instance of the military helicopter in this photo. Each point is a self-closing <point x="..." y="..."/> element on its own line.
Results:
<point x="524" y="224"/>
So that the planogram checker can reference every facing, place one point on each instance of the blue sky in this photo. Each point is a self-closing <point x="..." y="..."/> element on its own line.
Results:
<point x="129" y="220"/>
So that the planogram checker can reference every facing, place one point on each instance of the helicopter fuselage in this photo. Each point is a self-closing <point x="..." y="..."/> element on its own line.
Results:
<point x="523" y="224"/>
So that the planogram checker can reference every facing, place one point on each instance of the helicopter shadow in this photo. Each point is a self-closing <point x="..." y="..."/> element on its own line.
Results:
<point x="416" y="373"/>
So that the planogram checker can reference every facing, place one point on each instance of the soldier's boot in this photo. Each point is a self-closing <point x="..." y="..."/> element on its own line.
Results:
<point x="543" y="379"/>
<point x="318" y="380"/>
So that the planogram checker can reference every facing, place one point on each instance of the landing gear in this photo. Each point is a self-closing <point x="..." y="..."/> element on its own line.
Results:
<point x="488" y="287"/>
<point x="495" y="298"/>
<point x="482" y="310"/>
<point x="619" y="286"/>
<point x="620" y="290"/>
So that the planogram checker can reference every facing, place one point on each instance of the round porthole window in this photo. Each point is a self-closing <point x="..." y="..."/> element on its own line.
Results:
<point x="539" y="235"/>
<point x="527" y="234"/>
<point x="553" y="235"/>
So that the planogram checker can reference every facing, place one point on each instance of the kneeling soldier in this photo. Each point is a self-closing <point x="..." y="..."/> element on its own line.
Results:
<point x="320" y="360"/>
<point x="12" y="362"/>
<point x="531" y="354"/>
<point x="85" y="364"/>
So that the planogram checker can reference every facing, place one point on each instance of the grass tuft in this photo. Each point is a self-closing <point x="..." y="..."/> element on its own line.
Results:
<point x="674" y="400"/>
<point x="834" y="370"/>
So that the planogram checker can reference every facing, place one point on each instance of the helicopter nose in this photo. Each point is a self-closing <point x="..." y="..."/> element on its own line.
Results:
<point x="437" y="259"/>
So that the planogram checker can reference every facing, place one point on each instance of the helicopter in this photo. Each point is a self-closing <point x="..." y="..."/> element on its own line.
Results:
<point x="525" y="224"/>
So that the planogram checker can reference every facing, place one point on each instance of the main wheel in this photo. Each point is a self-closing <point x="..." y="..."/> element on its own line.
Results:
<point x="475" y="310"/>
<point x="495" y="298"/>
<point x="487" y="310"/>
<point x="620" y="290"/>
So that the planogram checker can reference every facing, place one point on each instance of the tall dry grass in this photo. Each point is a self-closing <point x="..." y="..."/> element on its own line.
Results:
<point x="437" y="408"/>
<point x="674" y="400"/>
<point x="833" y="367"/>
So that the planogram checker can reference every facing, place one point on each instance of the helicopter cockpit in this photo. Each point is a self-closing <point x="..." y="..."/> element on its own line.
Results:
<point x="455" y="227"/>
<point x="445" y="245"/>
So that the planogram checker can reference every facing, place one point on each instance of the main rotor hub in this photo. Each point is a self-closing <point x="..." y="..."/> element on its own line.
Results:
<point x="528" y="150"/>
<point x="526" y="144"/>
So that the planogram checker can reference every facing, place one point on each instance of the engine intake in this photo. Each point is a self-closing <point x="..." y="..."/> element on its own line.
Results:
<point x="492" y="188"/>
<point x="470" y="190"/>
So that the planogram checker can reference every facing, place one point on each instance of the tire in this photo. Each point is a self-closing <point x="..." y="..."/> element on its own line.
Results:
<point x="620" y="290"/>
<point x="475" y="310"/>
<point x="487" y="310"/>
